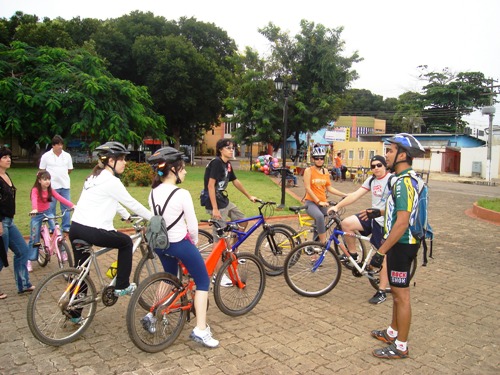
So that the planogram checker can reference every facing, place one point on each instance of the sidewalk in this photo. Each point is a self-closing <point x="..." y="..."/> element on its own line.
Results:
<point x="454" y="328"/>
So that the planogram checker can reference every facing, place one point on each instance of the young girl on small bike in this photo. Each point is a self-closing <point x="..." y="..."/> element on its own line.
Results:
<point x="41" y="197"/>
<point x="183" y="235"/>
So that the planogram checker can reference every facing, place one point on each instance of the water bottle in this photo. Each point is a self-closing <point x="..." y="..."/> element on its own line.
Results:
<point x="111" y="272"/>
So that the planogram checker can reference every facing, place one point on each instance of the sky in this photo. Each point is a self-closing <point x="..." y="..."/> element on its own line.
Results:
<point x="393" y="37"/>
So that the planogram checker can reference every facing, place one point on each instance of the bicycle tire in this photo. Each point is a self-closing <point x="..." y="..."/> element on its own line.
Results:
<point x="375" y="281"/>
<point x="299" y="273"/>
<point x="205" y="241"/>
<point x="63" y="247"/>
<point x="236" y="301"/>
<point x="273" y="260"/>
<point x="168" y="326"/>
<point x="43" y="254"/>
<point x="145" y="268"/>
<point x="46" y="319"/>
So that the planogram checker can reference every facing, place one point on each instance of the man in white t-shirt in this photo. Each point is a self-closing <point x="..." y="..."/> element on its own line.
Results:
<point x="379" y="186"/>
<point x="59" y="164"/>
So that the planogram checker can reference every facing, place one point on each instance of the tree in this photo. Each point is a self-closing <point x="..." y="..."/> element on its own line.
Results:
<point x="184" y="64"/>
<point x="46" y="91"/>
<point x="449" y="96"/>
<point x="314" y="58"/>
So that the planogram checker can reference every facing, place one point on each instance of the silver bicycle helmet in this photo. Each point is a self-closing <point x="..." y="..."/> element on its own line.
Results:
<point x="111" y="149"/>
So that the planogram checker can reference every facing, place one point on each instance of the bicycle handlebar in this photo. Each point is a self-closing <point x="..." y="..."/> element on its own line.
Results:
<point x="50" y="216"/>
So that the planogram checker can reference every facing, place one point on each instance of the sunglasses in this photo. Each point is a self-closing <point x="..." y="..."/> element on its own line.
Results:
<point x="379" y="165"/>
<point x="319" y="158"/>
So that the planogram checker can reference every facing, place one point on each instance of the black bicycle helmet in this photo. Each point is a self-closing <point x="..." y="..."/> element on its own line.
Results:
<point x="111" y="149"/>
<point x="409" y="144"/>
<point x="164" y="155"/>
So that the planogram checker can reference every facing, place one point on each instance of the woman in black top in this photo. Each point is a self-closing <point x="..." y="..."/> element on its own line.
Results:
<point x="11" y="236"/>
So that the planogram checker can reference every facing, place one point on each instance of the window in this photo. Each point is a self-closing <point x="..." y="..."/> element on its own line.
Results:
<point x="351" y="155"/>
<point x="361" y="154"/>
<point x="371" y="154"/>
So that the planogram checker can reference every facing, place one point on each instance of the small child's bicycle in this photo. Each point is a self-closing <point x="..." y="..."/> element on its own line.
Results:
<point x="167" y="301"/>
<point x="53" y="243"/>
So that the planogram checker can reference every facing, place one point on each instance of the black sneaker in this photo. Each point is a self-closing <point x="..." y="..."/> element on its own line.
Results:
<point x="378" y="297"/>
<point x="391" y="352"/>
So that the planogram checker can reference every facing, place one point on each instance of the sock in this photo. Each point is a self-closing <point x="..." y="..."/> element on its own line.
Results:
<point x="391" y="332"/>
<point x="401" y="345"/>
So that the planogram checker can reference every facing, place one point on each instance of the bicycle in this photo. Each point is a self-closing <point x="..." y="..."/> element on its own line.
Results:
<point x="306" y="225"/>
<point x="313" y="269"/>
<point x="63" y="305"/>
<point x="170" y="299"/>
<point x="273" y="243"/>
<point x="53" y="243"/>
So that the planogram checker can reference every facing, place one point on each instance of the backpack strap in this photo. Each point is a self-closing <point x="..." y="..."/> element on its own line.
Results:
<point x="160" y="212"/>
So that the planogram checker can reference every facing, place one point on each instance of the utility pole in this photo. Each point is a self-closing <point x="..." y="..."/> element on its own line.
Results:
<point x="490" y="111"/>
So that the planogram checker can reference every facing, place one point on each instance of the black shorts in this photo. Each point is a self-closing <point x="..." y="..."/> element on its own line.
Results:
<point x="399" y="259"/>
<point x="371" y="226"/>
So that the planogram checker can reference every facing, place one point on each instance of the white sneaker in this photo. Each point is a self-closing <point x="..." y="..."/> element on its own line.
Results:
<point x="226" y="281"/>
<point x="204" y="337"/>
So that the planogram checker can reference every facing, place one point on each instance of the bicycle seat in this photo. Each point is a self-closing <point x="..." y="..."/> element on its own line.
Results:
<point x="81" y="245"/>
<point x="296" y="209"/>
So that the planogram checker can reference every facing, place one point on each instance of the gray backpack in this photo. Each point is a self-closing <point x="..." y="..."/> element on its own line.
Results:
<point x="157" y="230"/>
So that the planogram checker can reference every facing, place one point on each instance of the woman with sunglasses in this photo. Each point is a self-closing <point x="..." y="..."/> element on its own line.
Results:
<point x="379" y="186"/>
<point x="317" y="183"/>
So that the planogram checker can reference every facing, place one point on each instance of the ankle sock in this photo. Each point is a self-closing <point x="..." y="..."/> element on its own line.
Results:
<point x="391" y="332"/>
<point x="401" y="345"/>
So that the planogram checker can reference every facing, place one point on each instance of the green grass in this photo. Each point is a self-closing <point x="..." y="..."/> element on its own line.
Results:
<point x="257" y="184"/>
<point x="490" y="204"/>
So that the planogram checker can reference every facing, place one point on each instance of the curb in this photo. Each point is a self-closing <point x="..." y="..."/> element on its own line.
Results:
<point x="484" y="214"/>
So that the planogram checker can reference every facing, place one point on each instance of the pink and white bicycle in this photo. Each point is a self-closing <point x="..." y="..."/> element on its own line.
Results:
<point x="53" y="243"/>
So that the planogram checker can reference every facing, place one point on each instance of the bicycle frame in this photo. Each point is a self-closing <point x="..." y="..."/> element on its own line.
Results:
<point x="219" y="251"/>
<point x="334" y="238"/>
<point x="51" y="240"/>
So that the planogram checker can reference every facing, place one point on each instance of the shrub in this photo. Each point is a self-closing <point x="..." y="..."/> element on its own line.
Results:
<point x="139" y="173"/>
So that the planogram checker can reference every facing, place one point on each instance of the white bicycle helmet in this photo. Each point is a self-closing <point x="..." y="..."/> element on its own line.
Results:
<point x="408" y="143"/>
<point x="318" y="151"/>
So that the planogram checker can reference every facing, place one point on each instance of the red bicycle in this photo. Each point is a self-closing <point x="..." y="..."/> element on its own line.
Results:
<point x="170" y="298"/>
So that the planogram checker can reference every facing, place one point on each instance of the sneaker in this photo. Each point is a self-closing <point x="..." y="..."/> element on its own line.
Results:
<point x="390" y="352"/>
<point x="64" y="255"/>
<point x="378" y="297"/>
<point x="354" y="255"/>
<point x="242" y="261"/>
<point x="28" y="266"/>
<point x="383" y="336"/>
<point x="148" y="323"/>
<point x="127" y="291"/>
<point x="226" y="281"/>
<point x="204" y="337"/>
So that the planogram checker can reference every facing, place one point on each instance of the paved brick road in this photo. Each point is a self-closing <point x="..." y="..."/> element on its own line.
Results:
<point x="455" y="318"/>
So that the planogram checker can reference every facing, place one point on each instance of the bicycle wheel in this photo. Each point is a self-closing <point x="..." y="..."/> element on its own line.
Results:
<point x="146" y="267"/>
<point x="156" y="332"/>
<point x="205" y="241"/>
<point x="374" y="278"/>
<point x="272" y="246"/>
<point x="66" y="259"/>
<point x="43" y="254"/>
<point x="236" y="301"/>
<point x="303" y="275"/>
<point x="51" y="319"/>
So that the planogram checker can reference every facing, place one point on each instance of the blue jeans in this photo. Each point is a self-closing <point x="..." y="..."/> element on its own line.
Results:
<point x="35" y="225"/>
<point x="66" y="221"/>
<point x="13" y="239"/>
